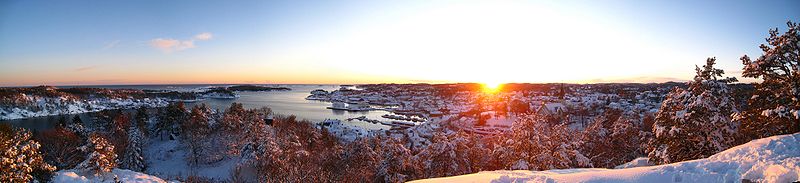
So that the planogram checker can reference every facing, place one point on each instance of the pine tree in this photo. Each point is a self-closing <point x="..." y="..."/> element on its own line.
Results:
<point x="233" y="118"/>
<point x="775" y="105"/>
<point x="360" y="160"/>
<point x="101" y="158"/>
<point x="393" y="166"/>
<point x="19" y="156"/>
<point x="141" y="120"/>
<point x="119" y="132"/>
<point x="133" y="158"/>
<point x="194" y="130"/>
<point x="169" y="118"/>
<point x="77" y="127"/>
<point x="535" y="144"/>
<point x="613" y="138"/>
<point x="60" y="147"/>
<point x="695" y="122"/>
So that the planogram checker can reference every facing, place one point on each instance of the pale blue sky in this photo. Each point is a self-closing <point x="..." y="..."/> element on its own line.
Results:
<point x="139" y="42"/>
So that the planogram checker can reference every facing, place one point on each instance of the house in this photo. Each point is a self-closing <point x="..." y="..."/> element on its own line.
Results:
<point x="361" y="106"/>
<point x="548" y="108"/>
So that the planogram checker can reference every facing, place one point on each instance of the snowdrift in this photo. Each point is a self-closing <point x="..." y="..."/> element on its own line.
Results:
<point x="121" y="175"/>
<point x="772" y="159"/>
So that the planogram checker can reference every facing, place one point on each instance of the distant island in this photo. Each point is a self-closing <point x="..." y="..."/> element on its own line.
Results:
<point x="256" y="88"/>
<point x="27" y="102"/>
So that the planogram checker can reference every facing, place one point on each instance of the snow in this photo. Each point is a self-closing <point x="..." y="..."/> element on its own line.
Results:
<point x="638" y="162"/>
<point x="168" y="158"/>
<point x="772" y="159"/>
<point x="348" y="133"/>
<point x="76" y="176"/>
<point x="49" y="106"/>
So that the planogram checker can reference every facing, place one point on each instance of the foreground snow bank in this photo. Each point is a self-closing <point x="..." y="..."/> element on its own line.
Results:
<point x="120" y="174"/>
<point x="638" y="162"/>
<point x="772" y="159"/>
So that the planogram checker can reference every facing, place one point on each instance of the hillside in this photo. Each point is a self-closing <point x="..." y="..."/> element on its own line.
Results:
<point x="772" y="159"/>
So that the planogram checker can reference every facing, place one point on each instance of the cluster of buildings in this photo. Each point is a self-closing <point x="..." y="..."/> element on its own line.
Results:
<point x="487" y="112"/>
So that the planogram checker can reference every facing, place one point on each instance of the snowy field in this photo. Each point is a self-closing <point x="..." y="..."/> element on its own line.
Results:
<point x="772" y="159"/>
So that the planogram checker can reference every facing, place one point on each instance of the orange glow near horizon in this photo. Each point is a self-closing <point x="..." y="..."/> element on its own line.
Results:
<point x="491" y="87"/>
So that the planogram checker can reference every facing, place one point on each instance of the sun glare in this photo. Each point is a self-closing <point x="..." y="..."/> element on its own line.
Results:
<point x="491" y="87"/>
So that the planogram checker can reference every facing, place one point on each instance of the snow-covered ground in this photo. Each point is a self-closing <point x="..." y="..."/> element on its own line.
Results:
<point x="348" y="133"/>
<point x="121" y="175"/>
<point x="168" y="158"/>
<point x="772" y="159"/>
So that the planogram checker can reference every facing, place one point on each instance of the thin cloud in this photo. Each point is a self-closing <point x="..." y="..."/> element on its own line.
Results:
<point x="169" y="45"/>
<point x="86" y="68"/>
<point x="204" y="36"/>
<point x="112" y="44"/>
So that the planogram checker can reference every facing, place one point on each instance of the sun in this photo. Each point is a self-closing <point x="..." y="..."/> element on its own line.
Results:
<point x="491" y="87"/>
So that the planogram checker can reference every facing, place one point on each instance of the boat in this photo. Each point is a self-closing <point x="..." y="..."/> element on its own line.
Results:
<point x="338" y="106"/>
<point x="350" y="107"/>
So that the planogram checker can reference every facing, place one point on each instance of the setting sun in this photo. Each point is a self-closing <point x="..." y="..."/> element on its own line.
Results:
<point x="491" y="87"/>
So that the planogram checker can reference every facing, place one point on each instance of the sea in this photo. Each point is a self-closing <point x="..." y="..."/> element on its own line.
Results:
<point x="290" y="102"/>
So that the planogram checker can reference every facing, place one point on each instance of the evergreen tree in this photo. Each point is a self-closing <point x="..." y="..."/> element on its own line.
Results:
<point x="233" y="118"/>
<point x="19" y="156"/>
<point x="613" y="138"/>
<point x="101" y="158"/>
<point x="133" y="158"/>
<point x="696" y="122"/>
<point x="359" y="161"/>
<point x="194" y="130"/>
<point x="169" y="119"/>
<point x="119" y="131"/>
<point x="394" y="165"/>
<point x="535" y="144"/>
<point x="775" y="105"/>
<point x="77" y="127"/>
<point x="141" y="120"/>
<point x="60" y="147"/>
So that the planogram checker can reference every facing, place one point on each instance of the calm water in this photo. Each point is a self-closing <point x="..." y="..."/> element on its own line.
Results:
<point x="281" y="102"/>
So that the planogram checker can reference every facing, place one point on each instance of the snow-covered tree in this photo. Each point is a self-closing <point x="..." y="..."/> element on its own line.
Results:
<point x="19" y="156"/>
<point x="60" y="147"/>
<point x="194" y="130"/>
<point x="535" y="144"/>
<point x="473" y="150"/>
<point x="77" y="127"/>
<point x="169" y="118"/>
<point x="101" y="158"/>
<point x="394" y="166"/>
<point x="233" y="118"/>
<point x="775" y="105"/>
<point x="695" y="122"/>
<point x="359" y="161"/>
<point x="133" y="158"/>
<point x="439" y="158"/>
<point x="142" y="118"/>
<point x="613" y="138"/>
<point x="118" y="134"/>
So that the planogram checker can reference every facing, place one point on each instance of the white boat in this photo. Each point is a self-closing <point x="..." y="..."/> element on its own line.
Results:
<point x="362" y="106"/>
<point x="338" y="106"/>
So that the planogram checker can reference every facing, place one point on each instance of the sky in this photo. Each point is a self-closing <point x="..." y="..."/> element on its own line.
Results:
<point x="353" y="42"/>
